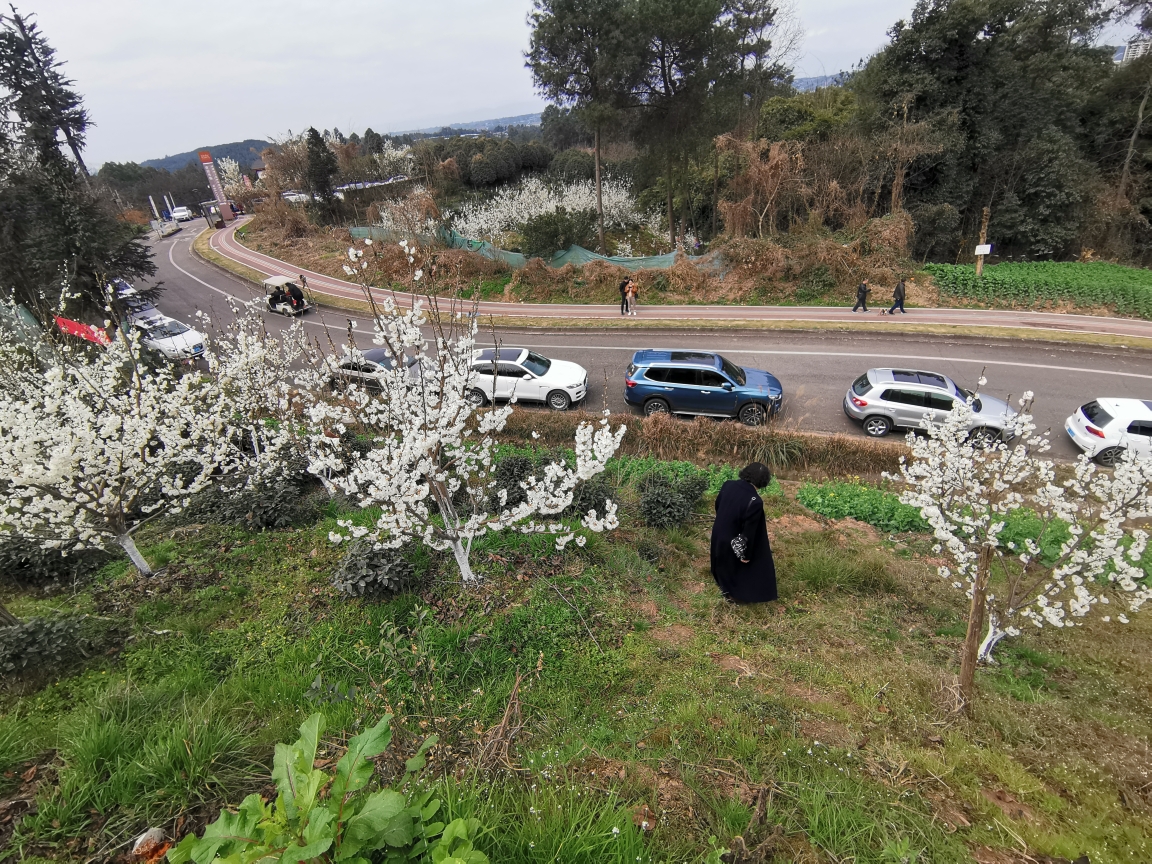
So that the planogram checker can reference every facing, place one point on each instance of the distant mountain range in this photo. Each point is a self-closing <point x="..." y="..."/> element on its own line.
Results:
<point x="244" y="152"/>
<point x="518" y="120"/>
<point x="804" y="85"/>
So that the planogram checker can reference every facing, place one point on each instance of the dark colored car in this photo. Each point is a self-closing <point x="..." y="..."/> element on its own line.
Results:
<point x="701" y="383"/>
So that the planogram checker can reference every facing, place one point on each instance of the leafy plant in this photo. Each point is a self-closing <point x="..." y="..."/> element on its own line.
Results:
<point x="669" y="500"/>
<point x="25" y="562"/>
<point x="508" y="474"/>
<point x="37" y="643"/>
<point x="365" y="570"/>
<point x="548" y="233"/>
<point x="333" y="817"/>
<point x="858" y="501"/>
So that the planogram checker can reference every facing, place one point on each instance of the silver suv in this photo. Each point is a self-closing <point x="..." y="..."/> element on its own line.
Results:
<point x="882" y="399"/>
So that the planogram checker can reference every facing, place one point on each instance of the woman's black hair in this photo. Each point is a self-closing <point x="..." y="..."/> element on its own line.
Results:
<point x="757" y="474"/>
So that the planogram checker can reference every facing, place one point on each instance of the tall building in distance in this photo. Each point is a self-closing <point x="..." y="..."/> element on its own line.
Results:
<point x="1137" y="46"/>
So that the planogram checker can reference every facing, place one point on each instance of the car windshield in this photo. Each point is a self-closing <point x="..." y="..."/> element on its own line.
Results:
<point x="168" y="329"/>
<point x="536" y="364"/>
<point x="861" y="385"/>
<point x="733" y="371"/>
<point x="968" y="394"/>
<point x="1096" y="414"/>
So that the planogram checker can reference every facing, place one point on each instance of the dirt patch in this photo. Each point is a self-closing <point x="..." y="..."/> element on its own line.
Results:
<point x="731" y="663"/>
<point x="862" y="530"/>
<point x="794" y="524"/>
<point x="828" y="732"/>
<point x="676" y="635"/>
<point x="646" y="610"/>
<point x="1011" y="808"/>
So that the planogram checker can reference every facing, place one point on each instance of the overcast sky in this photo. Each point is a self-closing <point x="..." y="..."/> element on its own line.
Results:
<point x="164" y="76"/>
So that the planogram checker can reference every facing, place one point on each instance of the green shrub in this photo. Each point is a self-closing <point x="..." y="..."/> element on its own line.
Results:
<point x="38" y="644"/>
<point x="303" y="826"/>
<point x="508" y="474"/>
<point x="571" y="165"/>
<point x="549" y="233"/>
<point x="25" y="563"/>
<point x="590" y="495"/>
<point x="667" y="500"/>
<point x="365" y="571"/>
<point x="858" y="501"/>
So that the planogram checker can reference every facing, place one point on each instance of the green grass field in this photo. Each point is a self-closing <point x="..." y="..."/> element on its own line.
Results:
<point x="812" y="729"/>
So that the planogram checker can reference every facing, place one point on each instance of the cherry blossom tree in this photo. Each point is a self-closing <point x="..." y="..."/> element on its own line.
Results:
<point x="430" y="466"/>
<point x="1085" y="555"/>
<point x="92" y="447"/>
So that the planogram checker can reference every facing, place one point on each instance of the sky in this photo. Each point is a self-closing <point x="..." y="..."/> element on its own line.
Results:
<point x="161" y="77"/>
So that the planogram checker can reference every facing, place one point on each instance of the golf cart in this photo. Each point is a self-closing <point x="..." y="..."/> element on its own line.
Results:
<point x="284" y="296"/>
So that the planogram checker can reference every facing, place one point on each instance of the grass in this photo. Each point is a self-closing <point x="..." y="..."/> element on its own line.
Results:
<point x="810" y="729"/>
<point x="201" y="246"/>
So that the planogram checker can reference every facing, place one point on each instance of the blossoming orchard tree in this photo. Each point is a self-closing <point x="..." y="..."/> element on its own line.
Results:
<point x="92" y="447"/>
<point x="1084" y="552"/>
<point x="430" y="466"/>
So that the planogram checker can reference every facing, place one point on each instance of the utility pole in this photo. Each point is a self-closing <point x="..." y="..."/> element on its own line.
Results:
<point x="983" y="248"/>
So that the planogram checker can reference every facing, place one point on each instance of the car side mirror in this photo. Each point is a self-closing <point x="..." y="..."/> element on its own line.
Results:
<point x="729" y="386"/>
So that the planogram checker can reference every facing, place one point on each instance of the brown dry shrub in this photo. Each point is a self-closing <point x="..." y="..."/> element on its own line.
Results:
<point x="704" y="441"/>
<point x="277" y="214"/>
<point x="133" y="217"/>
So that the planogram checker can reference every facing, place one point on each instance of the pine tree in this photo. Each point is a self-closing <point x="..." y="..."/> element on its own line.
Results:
<point x="321" y="166"/>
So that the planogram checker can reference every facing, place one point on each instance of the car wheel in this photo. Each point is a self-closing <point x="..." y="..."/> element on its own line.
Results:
<point x="1109" y="457"/>
<point x="984" y="437"/>
<point x="558" y="400"/>
<point x="656" y="406"/>
<point x="877" y="426"/>
<point x="752" y="414"/>
<point x="477" y="398"/>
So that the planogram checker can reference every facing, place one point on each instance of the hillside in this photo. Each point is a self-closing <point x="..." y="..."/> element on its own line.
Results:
<point x="243" y="152"/>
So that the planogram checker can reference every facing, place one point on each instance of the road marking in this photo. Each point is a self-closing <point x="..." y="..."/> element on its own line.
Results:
<point x="172" y="261"/>
<point x="871" y="355"/>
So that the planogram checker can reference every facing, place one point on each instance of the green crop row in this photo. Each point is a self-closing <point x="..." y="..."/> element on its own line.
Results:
<point x="1128" y="290"/>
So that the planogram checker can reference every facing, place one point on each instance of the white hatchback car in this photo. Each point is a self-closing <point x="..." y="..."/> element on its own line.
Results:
<point x="504" y="373"/>
<point x="171" y="338"/>
<point x="183" y="214"/>
<point x="1105" y="428"/>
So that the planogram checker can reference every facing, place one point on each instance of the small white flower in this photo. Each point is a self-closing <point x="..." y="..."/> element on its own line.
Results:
<point x="418" y="275"/>
<point x="367" y="241"/>
<point x="615" y="830"/>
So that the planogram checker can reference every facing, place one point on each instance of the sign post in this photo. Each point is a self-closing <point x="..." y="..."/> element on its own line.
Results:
<point x="215" y="185"/>
<point x="984" y="247"/>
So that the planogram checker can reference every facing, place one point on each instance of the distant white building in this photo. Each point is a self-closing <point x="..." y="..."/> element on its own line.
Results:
<point x="1137" y="46"/>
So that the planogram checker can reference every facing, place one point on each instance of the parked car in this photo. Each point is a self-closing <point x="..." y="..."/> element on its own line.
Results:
<point x="701" y="383"/>
<point x="364" y="368"/>
<point x="883" y="399"/>
<point x="504" y="373"/>
<point x="171" y="338"/>
<point x="1105" y="428"/>
<point x="134" y="307"/>
<point x="183" y="214"/>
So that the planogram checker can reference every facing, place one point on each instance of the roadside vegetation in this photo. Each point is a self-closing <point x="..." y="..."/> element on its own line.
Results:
<point x="601" y="704"/>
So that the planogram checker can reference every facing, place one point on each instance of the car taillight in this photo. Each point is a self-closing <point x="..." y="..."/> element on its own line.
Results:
<point x="629" y="382"/>
<point x="859" y="403"/>
<point x="1092" y="430"/>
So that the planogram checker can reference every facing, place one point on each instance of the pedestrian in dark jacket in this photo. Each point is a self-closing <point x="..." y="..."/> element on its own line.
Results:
<point x="742" y="562"/>
<point x="624" y="296"/>
<point x="862" y="291"/>
<point x="898" y="297"/>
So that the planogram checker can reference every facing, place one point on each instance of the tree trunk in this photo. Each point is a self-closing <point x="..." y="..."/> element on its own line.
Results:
<point x="129" y="546"/>
<point x="715" y="194"/>
<point x="1122" y="188"/>
<point x="970" y="651"/>
<point x="671" y="218"/>
<point x="991" y="639"/>
<point x="599" y="198"/>
<point x="461" y="555"/>
<point x="7" y="619"/>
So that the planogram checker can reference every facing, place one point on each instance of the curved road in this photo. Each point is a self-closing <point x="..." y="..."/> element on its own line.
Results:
<point x="815" y="367"/>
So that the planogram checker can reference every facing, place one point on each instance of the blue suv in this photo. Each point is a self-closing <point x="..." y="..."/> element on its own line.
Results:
<point x="700" y="383"/>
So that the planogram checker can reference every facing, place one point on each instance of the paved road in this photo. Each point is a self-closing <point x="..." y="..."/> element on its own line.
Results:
<point x="815" y="367"/>
<point x="226" y="244"/>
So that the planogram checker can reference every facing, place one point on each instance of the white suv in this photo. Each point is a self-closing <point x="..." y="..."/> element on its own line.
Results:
<point x="1105" y="428"/>
<point x="504" y="373"/>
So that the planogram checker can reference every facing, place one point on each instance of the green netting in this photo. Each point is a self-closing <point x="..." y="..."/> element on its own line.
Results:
<point x="575" y="255"/>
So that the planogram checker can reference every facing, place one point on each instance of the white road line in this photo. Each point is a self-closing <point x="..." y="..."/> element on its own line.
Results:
<point x="172" y="261"/>
<point x="869" y="355"/>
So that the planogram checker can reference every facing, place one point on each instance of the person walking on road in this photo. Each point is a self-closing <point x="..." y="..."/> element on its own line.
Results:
<point x="624" y="296"/>
<point x="898" y="298"/>
<point x="633" y="293"/>
<point x="862" y="291"/>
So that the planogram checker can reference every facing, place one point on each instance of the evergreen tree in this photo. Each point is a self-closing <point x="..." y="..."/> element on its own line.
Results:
<point x="322" y="166"/>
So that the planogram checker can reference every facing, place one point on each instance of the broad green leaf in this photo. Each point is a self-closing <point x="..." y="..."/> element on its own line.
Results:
<point x="399" y="831"/>
<point x="231" y="832"/>
<point x="181" y="853"/>
<point x="418" y="761"/>
<point x="370" y="828"/>
<point x="354" y="769"/>
<point x="431" y="810"/>
<point x="292" y="769"/>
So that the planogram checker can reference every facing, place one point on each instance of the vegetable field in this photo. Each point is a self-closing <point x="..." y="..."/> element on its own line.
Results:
<point x="1128" y="290"/>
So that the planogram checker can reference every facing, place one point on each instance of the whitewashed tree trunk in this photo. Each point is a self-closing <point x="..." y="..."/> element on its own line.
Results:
<point x="991" y="638"/>
<point x="461" y="555"/>
<point x="129" y="546"/>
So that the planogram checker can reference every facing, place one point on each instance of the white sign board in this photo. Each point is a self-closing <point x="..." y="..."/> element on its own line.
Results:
<point x="986" y="249"/>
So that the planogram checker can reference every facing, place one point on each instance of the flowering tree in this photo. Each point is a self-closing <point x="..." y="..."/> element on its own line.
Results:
<point x="1084" y="551"/>
<point x="91" y="448"/>
<point x="430" y="467"/>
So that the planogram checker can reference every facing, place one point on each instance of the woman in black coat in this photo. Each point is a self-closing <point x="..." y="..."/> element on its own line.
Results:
<point x="741" y="555"/>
